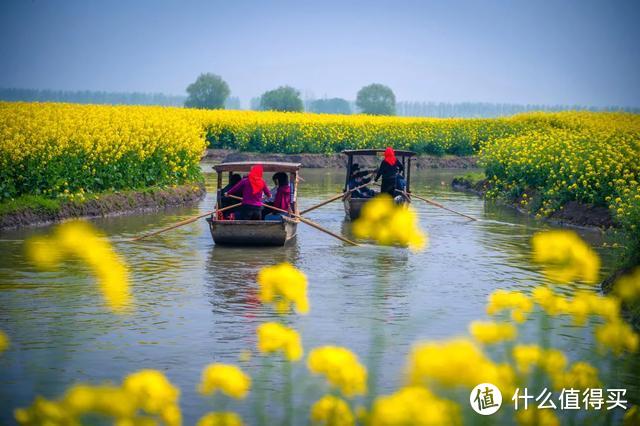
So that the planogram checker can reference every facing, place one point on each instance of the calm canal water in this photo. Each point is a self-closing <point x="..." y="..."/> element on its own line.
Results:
<point x="196" y="302"/>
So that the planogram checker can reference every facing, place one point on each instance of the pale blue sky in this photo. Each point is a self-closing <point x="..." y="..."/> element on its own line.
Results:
<point x="552" y="52"/>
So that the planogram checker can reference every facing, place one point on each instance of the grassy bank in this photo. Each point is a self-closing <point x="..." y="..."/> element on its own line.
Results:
<point x="35" y="210"/>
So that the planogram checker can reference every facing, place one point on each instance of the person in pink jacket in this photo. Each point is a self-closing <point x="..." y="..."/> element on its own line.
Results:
<point x="251" y="188"/>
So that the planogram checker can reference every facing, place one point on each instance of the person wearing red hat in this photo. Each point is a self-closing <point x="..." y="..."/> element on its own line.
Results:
<point x="389" y="169"/>
<point x="251" y="188"/>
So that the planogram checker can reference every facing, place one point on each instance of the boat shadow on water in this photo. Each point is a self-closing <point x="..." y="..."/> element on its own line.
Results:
<point x="231" y="271"/>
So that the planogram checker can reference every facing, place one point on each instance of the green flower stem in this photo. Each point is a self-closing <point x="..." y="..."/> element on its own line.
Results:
<point x="261" y="396"/>
<point x="287" y="392"/>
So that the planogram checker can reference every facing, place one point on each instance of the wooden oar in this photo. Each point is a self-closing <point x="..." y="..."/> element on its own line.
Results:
<point x="332" y="199"/>
<point x="307" y="221"/>
<point x="426" y="200"/>
<point x="184" y="222"/>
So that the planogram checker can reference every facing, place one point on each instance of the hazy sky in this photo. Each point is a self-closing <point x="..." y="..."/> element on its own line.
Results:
<point x="565" y="52"/>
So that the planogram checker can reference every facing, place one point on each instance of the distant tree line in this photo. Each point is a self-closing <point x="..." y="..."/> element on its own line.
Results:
<point x="210" y="91"/>
<point x="91" y="97"/>
<point x="329" y="106"/>
<point x="488" y="110"/>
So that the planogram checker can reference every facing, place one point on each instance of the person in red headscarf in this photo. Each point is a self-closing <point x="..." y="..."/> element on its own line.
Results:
<point x="389" y="169"/>
<point x="251" y="188"/>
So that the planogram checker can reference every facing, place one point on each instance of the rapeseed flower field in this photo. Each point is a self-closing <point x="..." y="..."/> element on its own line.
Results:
<point x="591" y="158"/>
<point x="67" y="150"/>
<point x="64" y="150"/>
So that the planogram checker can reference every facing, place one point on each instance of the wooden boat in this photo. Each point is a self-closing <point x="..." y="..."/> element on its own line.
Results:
<point x="353" y="205"/>
<point x="255" y="232"/>
<point x="252" y="232"/>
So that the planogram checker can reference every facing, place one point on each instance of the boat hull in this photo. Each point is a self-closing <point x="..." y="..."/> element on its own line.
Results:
<point x="353" y="207"/>
<point x="252" y="232"/>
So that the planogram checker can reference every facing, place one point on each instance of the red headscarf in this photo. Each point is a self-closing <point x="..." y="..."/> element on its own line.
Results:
<point x="390" y="156"/>
<point x="255" y="178"/>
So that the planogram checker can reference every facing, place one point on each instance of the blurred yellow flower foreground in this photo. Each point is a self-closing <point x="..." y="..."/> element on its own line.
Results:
<point x="284" y="286"/>
<point x="438" y="374"/>
<point x="82" y="241"/>
<point x="387" y="223"/>
<point x="224" y="378"/>
<point x="144" y="398"/>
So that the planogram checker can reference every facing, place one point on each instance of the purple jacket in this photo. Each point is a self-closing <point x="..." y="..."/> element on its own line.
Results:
<point x="248" y="197"/>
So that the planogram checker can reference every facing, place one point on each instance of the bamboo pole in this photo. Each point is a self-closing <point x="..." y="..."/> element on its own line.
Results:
<point x="307" y="221"/>
<point x="332" y="199"/>
<point x="426" y="200"/>
<point x="183" y="222"/>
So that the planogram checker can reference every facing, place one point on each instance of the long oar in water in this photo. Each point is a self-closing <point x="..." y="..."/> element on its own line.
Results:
<point x="184" y="222"/>
<point x="332" y="199"/>
<point x="426" y="200"/>
<point x="307" y="221"/>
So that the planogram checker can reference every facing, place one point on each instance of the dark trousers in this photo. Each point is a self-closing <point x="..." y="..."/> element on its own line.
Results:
<point x="389" y="186"/>
<point x="251" y="212"/>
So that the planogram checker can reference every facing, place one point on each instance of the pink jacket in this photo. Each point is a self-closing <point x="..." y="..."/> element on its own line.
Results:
<point x="283" y="198"/>
<point x="248" y="197"/>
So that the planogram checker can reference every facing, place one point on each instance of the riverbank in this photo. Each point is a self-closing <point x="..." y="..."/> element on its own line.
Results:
<point x="572" y="213"/>
<point x="38" y="211"/>
<point x="335" y="161"/>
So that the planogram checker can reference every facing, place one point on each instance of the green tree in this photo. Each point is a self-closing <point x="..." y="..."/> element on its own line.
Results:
<point x="209" y="91"/>
<point x="284" y="98"/>
<point x="331" y="106"/>
<point x="376" y="99"/>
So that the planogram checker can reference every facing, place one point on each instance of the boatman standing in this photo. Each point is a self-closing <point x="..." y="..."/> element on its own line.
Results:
<point x="389" y="169"/>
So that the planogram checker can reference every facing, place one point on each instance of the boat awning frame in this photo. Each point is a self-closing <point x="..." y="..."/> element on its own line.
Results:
<point x="267" y="166"/>
<point x="399" y="153"/>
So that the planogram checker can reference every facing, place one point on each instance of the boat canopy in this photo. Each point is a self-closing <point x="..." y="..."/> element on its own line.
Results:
<point x="404" y="157"/>
<point x="399" y="153"/>
<point x="267" y="166"/>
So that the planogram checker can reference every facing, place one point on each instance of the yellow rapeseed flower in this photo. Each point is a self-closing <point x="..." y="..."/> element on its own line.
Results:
<point x="225" y="418"/>
<point x="145" y="397"/>
<point x="4" y="341"/>
<point x="617" y="336"/>
<point x="519" y="304"/>
<point x="581" y="375"/>
<point x="389" y="224"/>
<point x="565" y="257"/>
<point x="152" y="390"/>
<point x="489" y="332"/>
<point x="527" y="356"/>
<point x="553" y="361"/>
<point x="627" y="287"/>
<point x="340" y="367"/>
<point x="284" y="285"/>
<point x="225" y="378"/>
<point x="447" y="364"/>
<point x="551" y="303"/>
<point x="331" y="411"/>
<point x="80" y="240"/>
<point x="44" y="412"/>
<point x="414" y="405"/>
<point x="104" y="399"/>
<point x="275" y="337"/>
<point x="533" y="416"/>
<point x="580" y="307"/>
